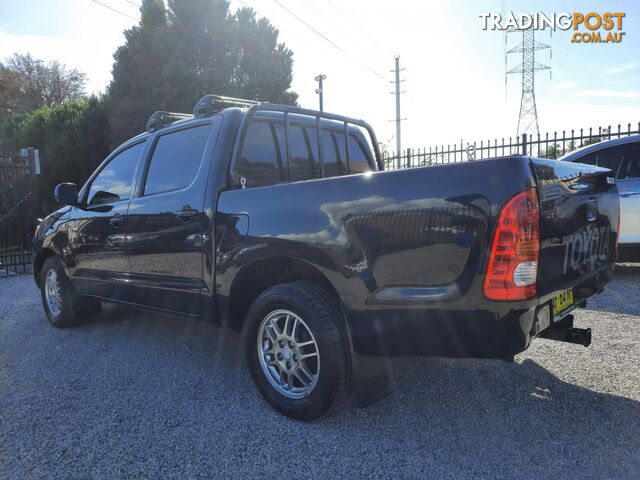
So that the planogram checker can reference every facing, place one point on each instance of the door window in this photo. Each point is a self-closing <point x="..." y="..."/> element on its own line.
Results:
<point x="630" y="166"/>
<point x="261" y="159"/>
<point x="590" y="159"/>
<point x="610" y="158"/>
<point x="115" y="181"/>
<point x="176" y="159"/>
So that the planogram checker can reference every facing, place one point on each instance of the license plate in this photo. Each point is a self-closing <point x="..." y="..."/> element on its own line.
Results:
<point x="562" y="301"/>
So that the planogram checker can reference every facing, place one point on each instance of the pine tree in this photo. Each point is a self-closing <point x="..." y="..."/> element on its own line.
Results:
<point x="181" y="52"/>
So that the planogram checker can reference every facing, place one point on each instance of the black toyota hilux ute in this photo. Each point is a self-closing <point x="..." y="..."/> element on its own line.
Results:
<point x="279" y="221"/>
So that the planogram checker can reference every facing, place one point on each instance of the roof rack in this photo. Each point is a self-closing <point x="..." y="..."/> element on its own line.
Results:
<point x="210" y="104"/>
<point x="162" y="119"/>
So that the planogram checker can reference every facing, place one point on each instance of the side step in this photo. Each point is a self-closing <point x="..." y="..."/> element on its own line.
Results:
<point x="564" y="331"/>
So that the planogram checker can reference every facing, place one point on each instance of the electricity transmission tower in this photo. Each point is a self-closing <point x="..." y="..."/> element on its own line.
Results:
<point x="528" y="119"/>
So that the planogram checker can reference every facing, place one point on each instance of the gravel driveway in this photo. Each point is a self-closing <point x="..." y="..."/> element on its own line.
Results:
<point x="144" y="395"/>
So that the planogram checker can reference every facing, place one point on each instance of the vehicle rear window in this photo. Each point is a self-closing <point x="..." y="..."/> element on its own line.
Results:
<point x="176" y="159"/>
<point x="261" y="160"/>
<point x="115" y="180"/>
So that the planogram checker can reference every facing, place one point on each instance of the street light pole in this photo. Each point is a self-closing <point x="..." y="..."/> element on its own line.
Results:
<point x="320" y="91"/>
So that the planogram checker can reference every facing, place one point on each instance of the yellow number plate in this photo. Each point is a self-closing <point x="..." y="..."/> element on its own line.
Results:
<point x="562" y="301"/>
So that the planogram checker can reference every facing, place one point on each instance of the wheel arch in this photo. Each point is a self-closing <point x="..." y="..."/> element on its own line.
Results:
<point x="38" y="262"/>
<point x="255" y="277"/>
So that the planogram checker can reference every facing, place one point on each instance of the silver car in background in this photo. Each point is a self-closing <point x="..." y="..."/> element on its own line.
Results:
<point x="621" y="155"/>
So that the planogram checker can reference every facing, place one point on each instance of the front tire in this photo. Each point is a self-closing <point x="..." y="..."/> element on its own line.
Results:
<point x="297" y="351"/>
<point x="61" y="305"/>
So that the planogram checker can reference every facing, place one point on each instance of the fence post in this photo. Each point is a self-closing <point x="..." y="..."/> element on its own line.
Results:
<point x="524" y="144"/>
<point x="33" y="157"/>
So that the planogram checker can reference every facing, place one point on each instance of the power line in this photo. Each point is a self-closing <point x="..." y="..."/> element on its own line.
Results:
<point x="288" y="32"/>
<point x="565" y="32"/>
<point x="133" y="3"/>
<point x="355" y="24"/>
<point x="114" y="10"/>
<point x="336" y="46"/>
<point x="572" y="44"/>
<point x="346" y="33"/>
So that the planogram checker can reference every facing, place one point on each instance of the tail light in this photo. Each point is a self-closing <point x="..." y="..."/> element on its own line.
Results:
<point x="512" y="269"/>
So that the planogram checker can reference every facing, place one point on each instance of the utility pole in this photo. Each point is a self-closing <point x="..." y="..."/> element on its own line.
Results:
<point x="320" y="91"/>
<point x="398" y="118"/>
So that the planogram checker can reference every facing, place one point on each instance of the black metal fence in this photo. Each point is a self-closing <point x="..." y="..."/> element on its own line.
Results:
<point x="16" y="238"/>
<point x="547" y="146"/>
<point x="17" y="212"/>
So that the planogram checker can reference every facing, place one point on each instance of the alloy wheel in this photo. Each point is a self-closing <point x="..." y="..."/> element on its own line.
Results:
<point x="288" y="354"/>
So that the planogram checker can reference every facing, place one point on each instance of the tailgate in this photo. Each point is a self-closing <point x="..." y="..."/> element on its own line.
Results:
<point x="579" y="217"/>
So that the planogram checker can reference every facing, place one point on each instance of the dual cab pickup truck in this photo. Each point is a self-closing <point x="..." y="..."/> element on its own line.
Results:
<point x="279" y="221"/>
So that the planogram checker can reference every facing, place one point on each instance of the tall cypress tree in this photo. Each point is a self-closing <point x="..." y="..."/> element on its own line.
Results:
<point x="177" y="54"/>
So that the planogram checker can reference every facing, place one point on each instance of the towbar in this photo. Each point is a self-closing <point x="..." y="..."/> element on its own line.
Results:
<point x="564" y="331"/>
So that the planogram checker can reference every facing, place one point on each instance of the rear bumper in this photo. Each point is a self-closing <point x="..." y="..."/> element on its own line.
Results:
<point x="442" y="333"/>
<point x="491" y="332"/>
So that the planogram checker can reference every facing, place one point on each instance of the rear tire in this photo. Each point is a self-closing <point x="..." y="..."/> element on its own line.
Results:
<point x="296" y="348"/>
<point x="61" y="305"/>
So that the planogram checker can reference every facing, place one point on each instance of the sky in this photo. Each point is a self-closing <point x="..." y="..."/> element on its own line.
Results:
<point x="454" y="71"/>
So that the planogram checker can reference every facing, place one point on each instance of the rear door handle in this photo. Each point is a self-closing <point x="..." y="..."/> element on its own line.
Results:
<point x="116" y="220"/>
<point x="627" y="192"/>
<point x="186" y="214"/>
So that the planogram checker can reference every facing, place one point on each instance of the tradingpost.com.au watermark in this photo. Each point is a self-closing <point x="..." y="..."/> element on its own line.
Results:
<point x="591" y="27"/>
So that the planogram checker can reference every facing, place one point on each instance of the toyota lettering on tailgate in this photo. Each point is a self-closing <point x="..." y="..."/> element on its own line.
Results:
<point x="586" y="249"/>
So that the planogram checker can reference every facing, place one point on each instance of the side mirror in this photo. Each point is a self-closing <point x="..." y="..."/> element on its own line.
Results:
<point x="66" y="194"/>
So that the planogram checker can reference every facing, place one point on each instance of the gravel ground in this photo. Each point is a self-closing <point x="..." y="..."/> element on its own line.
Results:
<point x="143" y="395"/>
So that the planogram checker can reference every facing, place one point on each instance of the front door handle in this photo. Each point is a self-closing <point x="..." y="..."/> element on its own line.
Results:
<point x="116" y="220"/>
<point x="186" y="214"/>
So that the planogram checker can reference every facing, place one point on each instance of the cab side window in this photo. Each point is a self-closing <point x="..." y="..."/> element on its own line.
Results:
<point x="267" y="159"/>
<point x="359" y="161"/>
<point x="114" y="183"/>
<point x="261" y="160"/>
<point x="333" y="153"/>
<point x="305" y="162"/>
